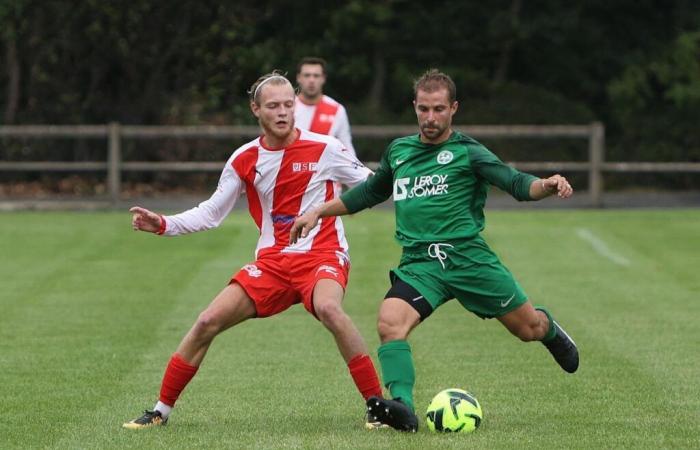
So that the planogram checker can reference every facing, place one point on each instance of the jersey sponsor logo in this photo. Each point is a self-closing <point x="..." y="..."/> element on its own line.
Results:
<point x="444" y="157"/>
<point x="401" y="189"/>
<point x="304" y="167"/>
<point x="326" y="117"/>
<point x="252" y="270"/>
<point x="283" y="219"/>
<point x="422" y="186"/>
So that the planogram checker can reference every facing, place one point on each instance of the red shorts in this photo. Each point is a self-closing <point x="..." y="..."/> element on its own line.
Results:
<point x="276" y="282"/>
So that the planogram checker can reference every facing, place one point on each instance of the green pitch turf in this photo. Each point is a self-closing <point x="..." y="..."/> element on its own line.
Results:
<point x="90" y="312"/>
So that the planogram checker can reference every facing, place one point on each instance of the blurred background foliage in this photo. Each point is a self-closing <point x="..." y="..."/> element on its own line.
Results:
<point x="632" y="64"/>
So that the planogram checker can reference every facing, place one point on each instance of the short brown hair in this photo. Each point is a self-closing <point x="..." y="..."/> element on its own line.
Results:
<point x="434" y="80"/>
<point x="279" y="78"/>
<point x="313" y="60"/>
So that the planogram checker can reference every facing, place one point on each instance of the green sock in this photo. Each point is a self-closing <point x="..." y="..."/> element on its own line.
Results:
<point x="551" y="331"/>
<point x="397" y="370"/>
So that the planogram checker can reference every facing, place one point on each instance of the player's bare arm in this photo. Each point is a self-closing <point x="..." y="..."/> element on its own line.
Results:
<point x="144" y="220"/>
<point x="556" y="184"/>
<point x="309" y="220"/>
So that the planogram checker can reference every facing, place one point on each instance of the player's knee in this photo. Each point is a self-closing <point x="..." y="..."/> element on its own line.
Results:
<point x="329" y="312"/>
<point x="207" y="325"/>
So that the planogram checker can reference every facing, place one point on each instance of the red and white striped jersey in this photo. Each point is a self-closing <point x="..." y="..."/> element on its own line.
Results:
<point x="325" y="117"/>
<point x="280" y="185"/>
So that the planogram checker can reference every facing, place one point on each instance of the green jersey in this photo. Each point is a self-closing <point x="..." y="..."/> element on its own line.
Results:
<point x="439" y="191"/>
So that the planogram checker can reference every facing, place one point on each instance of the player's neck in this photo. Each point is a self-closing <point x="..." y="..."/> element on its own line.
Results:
<point x="310" y="100"/>
<point x="272" y="142"/>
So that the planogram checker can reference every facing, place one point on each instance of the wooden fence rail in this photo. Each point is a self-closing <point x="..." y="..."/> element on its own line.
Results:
<point x="594" y="133"/>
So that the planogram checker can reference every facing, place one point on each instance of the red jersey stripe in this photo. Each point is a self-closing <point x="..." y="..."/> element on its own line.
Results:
<point x="244" y="165"/>
<point x="296" y="169"/>
<point x="323" y="117"/>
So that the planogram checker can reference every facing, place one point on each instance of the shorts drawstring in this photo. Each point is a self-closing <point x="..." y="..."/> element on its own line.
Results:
<point x="434" y="251"/>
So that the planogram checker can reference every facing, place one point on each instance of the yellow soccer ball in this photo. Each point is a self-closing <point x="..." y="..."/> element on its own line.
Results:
<point x="454" y="411"/>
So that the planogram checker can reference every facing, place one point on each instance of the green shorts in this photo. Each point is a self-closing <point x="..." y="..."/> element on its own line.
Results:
<point x="468" y="271"/>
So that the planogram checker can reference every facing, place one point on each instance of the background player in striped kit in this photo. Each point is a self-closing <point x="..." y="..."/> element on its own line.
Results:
<point x="282" y="172"/>
<point x="439" y="180"/>
<point x="315" y="111"/>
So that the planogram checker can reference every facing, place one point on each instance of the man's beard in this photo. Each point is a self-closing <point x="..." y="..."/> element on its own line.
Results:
<point x="432" y="131"/>
<point x="277" y="133"/>
<point x="313" y="95"/>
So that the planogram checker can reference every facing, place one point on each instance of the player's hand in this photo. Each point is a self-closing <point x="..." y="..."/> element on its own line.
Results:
<point x="145" y="220"/>
<point x="556" y="184"/>
<point x="303" y="225"/>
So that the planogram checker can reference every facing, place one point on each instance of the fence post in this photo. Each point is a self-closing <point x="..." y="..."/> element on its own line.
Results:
<point x="596" y="155"/>
<point x="114" y="162"/>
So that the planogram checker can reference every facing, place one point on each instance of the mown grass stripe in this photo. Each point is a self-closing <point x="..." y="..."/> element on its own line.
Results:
<point x="601" y="247"/>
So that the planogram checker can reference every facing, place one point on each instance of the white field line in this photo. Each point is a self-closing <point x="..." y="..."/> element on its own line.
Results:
<point x="601" y="247"/>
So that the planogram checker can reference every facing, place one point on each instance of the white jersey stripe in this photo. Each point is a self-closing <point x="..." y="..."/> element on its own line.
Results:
<point x="267" y="170"/>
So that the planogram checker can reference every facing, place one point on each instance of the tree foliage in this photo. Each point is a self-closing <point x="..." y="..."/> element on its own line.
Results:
<point x="635" y="64"/>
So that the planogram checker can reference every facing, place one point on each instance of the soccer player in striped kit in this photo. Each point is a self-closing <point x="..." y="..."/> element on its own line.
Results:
<point x="283" y="172"/>
<point x="315" y="111"/>
<point x="439" y="180"/>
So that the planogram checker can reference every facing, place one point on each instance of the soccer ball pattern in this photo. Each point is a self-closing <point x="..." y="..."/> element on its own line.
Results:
<point x="454" y="411"/>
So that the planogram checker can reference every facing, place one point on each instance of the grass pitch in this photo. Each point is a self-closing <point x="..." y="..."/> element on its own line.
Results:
<point x="90" y="312"/>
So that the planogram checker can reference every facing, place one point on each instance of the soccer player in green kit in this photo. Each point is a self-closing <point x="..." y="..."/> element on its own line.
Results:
<point x="439" y="180"/>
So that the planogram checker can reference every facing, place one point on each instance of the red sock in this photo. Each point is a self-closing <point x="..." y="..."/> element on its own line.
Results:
<point x="365" y="376"/>
<point x="178" y="373"/>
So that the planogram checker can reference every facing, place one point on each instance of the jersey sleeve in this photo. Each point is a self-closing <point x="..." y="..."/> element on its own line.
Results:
<point x="376" y="189"/>
<point x="489" y="167"/>
<point x="342" y="166"/>
<point x="343" y="130"/>
<point x="210" y="213"/>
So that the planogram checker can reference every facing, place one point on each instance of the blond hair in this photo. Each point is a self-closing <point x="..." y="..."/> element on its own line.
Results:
<point x="276" y="77"/>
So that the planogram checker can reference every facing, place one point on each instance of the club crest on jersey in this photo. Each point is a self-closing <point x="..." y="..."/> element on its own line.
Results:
<point x="444" y="157"/>
<point x="304" y="167"/>
<point x="252" y="270"/>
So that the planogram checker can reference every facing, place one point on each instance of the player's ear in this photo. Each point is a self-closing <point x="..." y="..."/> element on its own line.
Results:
<point x="255" y="108"/>
<point x="455" y="106"/>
